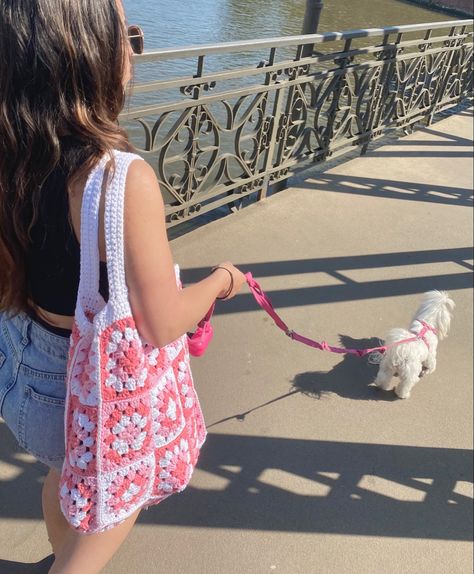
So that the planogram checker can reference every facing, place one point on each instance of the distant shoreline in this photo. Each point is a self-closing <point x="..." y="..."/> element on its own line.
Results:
<point x="460" y="8"/>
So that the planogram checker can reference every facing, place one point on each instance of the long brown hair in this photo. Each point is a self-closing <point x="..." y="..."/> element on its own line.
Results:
<point x="62" y="64"/>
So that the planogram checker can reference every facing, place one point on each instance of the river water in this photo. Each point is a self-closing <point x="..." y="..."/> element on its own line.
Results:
<point x="173" y="23"/>
<point x="170" y="23"/>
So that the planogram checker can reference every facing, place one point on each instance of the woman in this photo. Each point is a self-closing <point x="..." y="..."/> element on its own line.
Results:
<point x="63" y="70"/>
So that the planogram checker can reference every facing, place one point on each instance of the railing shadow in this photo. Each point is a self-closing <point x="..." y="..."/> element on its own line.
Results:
<point x="292" y="485"/>
<point x="448" y="141"/>
<point x="389" y="189"/>
<point x="348" y="289"/>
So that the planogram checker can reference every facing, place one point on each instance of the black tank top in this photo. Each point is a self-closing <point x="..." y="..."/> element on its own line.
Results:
<point x="53" y="256"/>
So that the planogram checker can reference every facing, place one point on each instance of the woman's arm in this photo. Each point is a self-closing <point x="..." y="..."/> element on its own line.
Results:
<point x="162" y="313"/>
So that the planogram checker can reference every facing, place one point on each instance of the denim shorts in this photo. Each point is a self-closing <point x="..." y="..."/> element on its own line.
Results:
<point x="33" y="386"/>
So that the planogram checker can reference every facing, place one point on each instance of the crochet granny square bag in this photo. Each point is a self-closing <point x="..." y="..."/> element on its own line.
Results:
<point x="133" y="423"/>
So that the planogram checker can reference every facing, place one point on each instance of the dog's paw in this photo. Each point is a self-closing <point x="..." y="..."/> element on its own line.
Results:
<point x="402" y="394"/>
<point x="383" y="386"/>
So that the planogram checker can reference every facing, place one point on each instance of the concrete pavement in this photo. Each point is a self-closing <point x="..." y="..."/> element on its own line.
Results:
<point x="307" y="469"/>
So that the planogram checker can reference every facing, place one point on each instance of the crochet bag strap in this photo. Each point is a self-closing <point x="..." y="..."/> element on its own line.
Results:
<point x="88" y="294"/>
<point x="114" y="232"/>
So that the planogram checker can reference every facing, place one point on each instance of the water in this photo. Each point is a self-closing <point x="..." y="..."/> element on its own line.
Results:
<point x="168" y="23"/>
<point x="172" y="23"/>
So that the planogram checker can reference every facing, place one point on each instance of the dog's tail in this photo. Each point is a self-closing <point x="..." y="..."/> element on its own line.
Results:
<point x="442" y="297"/>
<point x="435" y="299"/>
<point x="435" y="308"/>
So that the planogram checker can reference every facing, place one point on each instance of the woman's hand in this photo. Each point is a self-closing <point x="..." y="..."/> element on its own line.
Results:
<point x="226" y="270"/>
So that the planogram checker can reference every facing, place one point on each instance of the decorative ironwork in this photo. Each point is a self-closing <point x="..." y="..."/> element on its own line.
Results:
<point x="221" y="138"/>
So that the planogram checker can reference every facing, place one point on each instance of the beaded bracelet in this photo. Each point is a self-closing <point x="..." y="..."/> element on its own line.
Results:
<point x="231" y="287"/>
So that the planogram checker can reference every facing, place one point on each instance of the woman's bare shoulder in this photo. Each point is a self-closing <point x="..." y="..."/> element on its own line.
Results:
<point x="141" y="175"/>
<point x="143" y="200"/>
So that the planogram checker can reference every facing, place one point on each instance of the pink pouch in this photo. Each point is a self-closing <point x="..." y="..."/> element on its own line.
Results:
<point x="200" y="339"/>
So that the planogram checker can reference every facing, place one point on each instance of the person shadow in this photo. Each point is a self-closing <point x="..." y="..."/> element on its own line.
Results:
<point x="41" y="567"/>
<point x="351" y="378"/>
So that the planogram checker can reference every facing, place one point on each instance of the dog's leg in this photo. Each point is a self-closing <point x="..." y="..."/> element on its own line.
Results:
<point x="384" y="376"/>
<point x="409" y="376"/>
<point x="429" y="365"/>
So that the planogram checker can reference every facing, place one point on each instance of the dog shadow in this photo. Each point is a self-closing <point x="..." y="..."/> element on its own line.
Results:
<point x="351" y="378"/>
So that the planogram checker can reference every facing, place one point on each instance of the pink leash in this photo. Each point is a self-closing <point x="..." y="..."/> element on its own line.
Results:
<point x="199" y="340"/>
<point x="266" y="304"/>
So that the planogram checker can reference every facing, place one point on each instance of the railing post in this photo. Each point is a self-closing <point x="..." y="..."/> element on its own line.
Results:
<point x="310" y="26"/>
<point x="340" y="83"/>
<point x="380" y="89"/>
<point x="311" y="22"/>
<point x="445" y="74"/>
<point x="283" y="110"/>
<point x="277" y="111"/>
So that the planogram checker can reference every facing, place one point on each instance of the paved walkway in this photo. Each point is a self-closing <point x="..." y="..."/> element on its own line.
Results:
<point x="307" y="470"/>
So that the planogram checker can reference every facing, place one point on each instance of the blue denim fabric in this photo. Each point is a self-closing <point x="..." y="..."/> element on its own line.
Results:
<point x="33" y="386"/>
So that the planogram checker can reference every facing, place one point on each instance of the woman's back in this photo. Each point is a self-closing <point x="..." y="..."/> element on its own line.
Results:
<point x="53" y="253"/>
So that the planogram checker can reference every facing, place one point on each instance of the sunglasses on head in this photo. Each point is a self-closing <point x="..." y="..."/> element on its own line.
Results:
<point x="136" y="39"/>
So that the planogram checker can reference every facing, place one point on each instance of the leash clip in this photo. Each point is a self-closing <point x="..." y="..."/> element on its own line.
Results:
<point x="290" y="333"/>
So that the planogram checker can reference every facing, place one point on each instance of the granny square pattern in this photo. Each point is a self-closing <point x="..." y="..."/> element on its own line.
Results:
<point x="133" y="423"/>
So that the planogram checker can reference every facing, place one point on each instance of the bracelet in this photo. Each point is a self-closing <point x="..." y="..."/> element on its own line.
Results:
<point x="231" y="287"/>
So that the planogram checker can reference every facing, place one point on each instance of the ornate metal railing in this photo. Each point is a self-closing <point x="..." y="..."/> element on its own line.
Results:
<point x="221" y="123"/>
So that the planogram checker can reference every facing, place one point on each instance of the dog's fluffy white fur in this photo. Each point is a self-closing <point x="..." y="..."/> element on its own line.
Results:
<point x="414" y="359"/>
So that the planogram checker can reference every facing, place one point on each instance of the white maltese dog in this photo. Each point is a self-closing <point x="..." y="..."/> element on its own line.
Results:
<point x="410" y="360"/>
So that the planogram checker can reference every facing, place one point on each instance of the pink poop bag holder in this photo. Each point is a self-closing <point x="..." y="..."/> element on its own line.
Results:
<point x="200" y="339"/>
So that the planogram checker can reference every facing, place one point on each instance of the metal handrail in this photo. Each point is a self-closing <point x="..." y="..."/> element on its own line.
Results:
<point x="220" y="133"/>
<point x="300" y="40"/>
<point x="252" y="71"/>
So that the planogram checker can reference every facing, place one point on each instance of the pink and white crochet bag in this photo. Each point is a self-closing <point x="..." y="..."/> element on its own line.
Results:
<point x="133" y="423"/>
